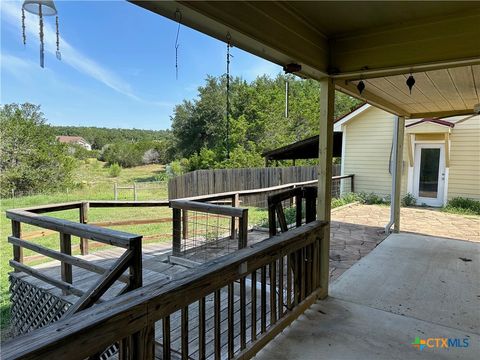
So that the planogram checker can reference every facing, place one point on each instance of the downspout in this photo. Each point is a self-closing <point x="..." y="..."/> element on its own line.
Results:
<point x="393" y="171"/>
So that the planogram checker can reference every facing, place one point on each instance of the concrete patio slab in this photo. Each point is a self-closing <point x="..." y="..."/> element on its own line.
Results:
<point x="409" y="286"/>
<point x="340" y="330"/>
<point x="418" y="276"/>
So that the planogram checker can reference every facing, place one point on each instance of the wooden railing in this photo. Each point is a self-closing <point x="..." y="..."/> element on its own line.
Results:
<point x="131" y="258"/>
<point x="83" y="207"/>
<point x="274" y="281"/>
<point x="300" y="197"/>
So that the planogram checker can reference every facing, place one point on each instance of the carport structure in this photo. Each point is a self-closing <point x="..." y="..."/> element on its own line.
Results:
<point x="339" y="44"/>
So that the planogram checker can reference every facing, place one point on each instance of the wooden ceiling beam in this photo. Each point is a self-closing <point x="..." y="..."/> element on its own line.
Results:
<point x="444" y="43"/>
<point x="441" y="114"/>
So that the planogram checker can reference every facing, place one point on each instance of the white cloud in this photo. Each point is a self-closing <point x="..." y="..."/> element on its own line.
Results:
<point x="11" y="12"/>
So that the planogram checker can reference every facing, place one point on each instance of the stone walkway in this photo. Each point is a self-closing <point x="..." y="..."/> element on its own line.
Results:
<point x="358" y="229"/>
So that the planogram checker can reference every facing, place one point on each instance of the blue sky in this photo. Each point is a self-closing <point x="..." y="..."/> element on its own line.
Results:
<point x="117" y="67"/>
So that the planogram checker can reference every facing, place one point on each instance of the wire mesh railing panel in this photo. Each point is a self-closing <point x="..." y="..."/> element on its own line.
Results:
<point x="205" y="236"/>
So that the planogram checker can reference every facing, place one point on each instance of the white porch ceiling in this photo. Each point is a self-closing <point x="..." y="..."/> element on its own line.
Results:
<point x="444" y="92"/>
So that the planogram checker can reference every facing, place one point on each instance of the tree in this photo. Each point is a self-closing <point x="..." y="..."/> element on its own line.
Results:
<point x="257" y="121"/>
<point x="31" y="160"/>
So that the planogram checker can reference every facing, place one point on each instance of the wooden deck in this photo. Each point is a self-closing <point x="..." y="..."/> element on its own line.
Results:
<point x="158" y="264"/>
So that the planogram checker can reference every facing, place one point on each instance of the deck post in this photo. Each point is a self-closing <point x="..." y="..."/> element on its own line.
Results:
<point x="185" y="224"/>
<point x="84" y="206"/>
<point x="235" y="222"/>
<point x="17" y="250"/>
<point x="327" y="104"/>
<point x="66" y="248"/>
<point x="177" y="231"/>
<point x="243" y="230"/>
<point x="400" y="131"/>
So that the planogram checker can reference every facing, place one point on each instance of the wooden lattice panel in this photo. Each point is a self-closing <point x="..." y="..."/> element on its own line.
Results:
<point x="34" y="307"/>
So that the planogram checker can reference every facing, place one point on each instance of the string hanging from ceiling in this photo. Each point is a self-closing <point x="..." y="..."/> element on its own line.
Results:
<point x="178" y="17"/>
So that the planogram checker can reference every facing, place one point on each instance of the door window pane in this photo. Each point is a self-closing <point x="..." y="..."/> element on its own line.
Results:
<point x="429" y="164"/>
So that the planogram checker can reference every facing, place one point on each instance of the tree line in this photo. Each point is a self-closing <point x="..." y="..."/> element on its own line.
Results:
<point x="201" y="135"/>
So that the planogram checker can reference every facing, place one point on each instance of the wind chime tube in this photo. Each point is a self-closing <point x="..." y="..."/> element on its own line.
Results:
<point x="42" y="49"/>
<point x="59" y="55"/>
<point x="228" y="97"/>
<point x="24" y="36"/>
<point x="286" y="98"/>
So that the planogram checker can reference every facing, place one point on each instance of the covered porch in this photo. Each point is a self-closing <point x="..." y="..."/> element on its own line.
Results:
<point x="369" y="54"/>
<point x="410" y="286"/>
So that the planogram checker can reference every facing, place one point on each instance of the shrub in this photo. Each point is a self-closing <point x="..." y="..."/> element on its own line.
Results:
<point x="175" y="168"/>
<point x="114" y="170"/>
<point x="463" y="206"/>
<point x="370" y="199"/>
<point x="162" y="176"/>
<point x="151" y="156"/>
<point x="347" y="198"/>
<point x="80" y="153"/>
<point x="409" y="200"/>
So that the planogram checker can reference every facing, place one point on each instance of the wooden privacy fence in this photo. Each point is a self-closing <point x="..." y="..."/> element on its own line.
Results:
<point x="274" y="281"/>
<point x="203" y="182"/>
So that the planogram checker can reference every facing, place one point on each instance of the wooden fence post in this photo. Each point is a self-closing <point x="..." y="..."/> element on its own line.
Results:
<point x="235" y="222"/>
<point x="135" y="191"/>
<point x="66" y="248"/>
<point x="177" y="231"/>
<point x="84" y="206"/>
<point x="115" y="191"/>
<point x="17" y="250"/>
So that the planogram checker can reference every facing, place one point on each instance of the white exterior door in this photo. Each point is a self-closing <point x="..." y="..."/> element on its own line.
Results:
<point x="429" y="174"/>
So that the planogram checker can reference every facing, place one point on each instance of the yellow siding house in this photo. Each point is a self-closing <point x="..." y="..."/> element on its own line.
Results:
<point x="441" y="158"/>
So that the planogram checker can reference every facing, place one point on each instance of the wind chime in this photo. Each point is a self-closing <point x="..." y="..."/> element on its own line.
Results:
<point x="229" y="45"/>
<point x="41" y="8"/>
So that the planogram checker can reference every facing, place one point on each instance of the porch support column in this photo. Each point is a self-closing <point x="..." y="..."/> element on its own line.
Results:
<point x="399" y="132"/>
<point x="327" y="104"/>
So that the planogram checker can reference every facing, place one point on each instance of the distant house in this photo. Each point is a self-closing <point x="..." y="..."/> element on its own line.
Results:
<point x="441" y="156"/>
<point x="78" y="140"/>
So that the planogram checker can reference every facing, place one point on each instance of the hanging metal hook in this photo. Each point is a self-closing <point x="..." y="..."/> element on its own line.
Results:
<point x="178" y="17"/>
